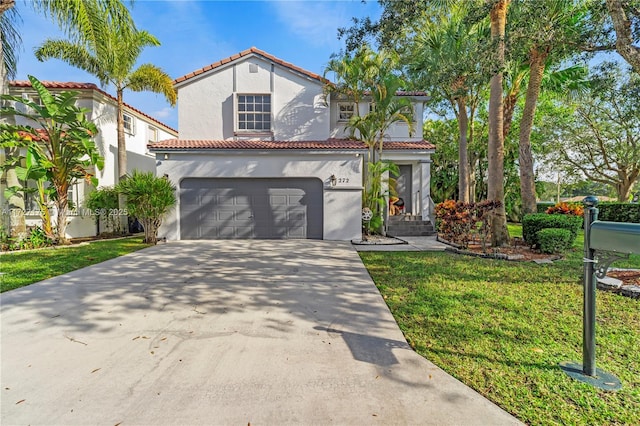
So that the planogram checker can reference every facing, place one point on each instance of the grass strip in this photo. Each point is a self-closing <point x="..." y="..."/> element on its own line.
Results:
<point x="502" y="328"/>
<point x="23" y="268"/>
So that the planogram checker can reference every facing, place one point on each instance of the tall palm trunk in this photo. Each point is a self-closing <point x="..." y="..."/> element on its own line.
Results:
<point x="527" y="180"/>
<point x="122" y="147"/>
<point x="495" y="179"/>
<point x="463" y="155"/>
<point x="122" y="162"/>
<point x="16" y="205"/>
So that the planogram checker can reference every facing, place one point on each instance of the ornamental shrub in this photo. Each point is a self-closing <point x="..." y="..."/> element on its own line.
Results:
<point x="554" y="240"/>
<point x="619" y="212"/>
<point x="566" y="208"/>
<point x="532" y="223"/>
<point x="457" y="222"/>
<point x="149" y="198"/>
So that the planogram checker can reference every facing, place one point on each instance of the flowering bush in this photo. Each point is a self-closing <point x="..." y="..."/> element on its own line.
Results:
<point x="458" y="222"/>
<point x="566" y="208"/>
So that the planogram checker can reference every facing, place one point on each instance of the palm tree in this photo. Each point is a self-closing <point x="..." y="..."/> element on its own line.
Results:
<point x="495" y="179"/>
<point x="444" y="58"/>
<point x="111" y="54"/>
<point x="352" y="75"/>
<point x="381" y="85"/>
<point x="557" y="27"/>
<point x="76" y="18"/>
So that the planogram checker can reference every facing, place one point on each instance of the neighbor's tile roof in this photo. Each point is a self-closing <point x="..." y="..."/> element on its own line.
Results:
<point x="70" y="85"/>
<point x="329" y="144"/>
<point x="252" y="50"/>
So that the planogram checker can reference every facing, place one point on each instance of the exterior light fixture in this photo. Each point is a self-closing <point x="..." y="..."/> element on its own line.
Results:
<point x="166" y="156"/>
<point x="333" y="180"/>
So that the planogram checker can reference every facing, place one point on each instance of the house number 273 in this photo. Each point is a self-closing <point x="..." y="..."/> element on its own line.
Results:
<point x="343" y="180"/>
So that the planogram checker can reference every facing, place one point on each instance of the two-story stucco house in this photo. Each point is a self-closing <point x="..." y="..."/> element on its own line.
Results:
<point x="140" y="129"/>
<point x="263" y="154"/>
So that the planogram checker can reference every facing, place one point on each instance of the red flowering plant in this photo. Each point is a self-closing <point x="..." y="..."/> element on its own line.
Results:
<point x="566" y="208"/>
<point x="460" y="222"/>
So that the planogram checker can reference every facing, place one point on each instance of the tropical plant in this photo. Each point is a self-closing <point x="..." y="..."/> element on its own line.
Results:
<point x="388" y="109"/>
<point x="76" y="18"/>
<point x="381" y="185"/>
<point x="102" y="203"/>
<point x="61" y="144"/>
<point x="149" y="198"/>
<point x="352" y="75"/>
<point x="444" y="58"/>
<point x="111" y="54"/>
<point x="35" y="172"/>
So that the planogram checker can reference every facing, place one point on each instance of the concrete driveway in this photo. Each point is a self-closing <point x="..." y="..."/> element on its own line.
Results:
<point x="220" y="332"/>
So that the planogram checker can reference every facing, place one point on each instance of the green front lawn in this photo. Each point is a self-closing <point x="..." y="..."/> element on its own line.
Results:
<point x="23" y="268"/>
<point x="502" y="328"/>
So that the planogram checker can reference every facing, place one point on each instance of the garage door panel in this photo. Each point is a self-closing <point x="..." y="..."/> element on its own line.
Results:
<point x="251" y="208"/>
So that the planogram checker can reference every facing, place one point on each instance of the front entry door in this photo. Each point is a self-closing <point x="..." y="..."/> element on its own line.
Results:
<point x="403" y="187"/>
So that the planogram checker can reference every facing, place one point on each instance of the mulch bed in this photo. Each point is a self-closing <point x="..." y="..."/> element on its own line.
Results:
<point x="627" y="277"/>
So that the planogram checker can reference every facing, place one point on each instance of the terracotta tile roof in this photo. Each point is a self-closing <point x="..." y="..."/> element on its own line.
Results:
<point x="413" y="145"/>
<point x="252" y="50"/>
<point x="329" y="144"/>
<point x="70" y="85"/>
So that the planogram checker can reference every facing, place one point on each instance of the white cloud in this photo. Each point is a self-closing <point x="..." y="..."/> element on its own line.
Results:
<point x="163" y="114"/>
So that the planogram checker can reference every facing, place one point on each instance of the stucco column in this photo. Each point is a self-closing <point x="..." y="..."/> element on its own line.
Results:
<point x="425" y="190"/>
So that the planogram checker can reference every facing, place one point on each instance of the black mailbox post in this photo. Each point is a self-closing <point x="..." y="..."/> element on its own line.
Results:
<point x="604" y="242"/>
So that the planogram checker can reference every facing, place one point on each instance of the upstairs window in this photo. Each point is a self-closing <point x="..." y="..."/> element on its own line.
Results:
<point x="152" y="134"/>
<point x="254" y="113"/>
<point x="129" y="124"/>
<point x="345" y="111"/>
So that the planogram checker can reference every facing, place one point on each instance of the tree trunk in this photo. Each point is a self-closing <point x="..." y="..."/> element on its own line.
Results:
<point x="510" y="102"/>
<point x="625" y="185"/>
<point x="16" y="208"/>
<point x="495" y="180"/>
<point x="527" y="179"/>
<point x="624" y="37"/>
<point x="463" y="155"/>
<point x="122" y="163"/>
<point x="61" y="205"/>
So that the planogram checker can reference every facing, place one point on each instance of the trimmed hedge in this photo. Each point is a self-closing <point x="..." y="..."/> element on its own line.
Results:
<point x="554" y="240"/>
<point x="532" y="223"/>
<point x="609" y="211"/>
<point x="619" y="212"/>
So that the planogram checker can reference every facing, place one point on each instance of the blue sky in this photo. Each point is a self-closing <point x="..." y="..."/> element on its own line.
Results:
<point x="197" y="33"/>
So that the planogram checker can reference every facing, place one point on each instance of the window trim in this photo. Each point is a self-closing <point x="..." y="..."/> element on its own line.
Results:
<point x="152" y="133"/>
<point x="132" y="130"/>
<point x="346" y="104"/>
<point x="236" y="114"/>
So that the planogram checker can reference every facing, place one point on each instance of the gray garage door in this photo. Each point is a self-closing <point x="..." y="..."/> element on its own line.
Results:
<point x="250" y="208"/>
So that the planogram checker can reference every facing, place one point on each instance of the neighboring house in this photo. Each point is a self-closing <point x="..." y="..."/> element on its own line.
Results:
<point x="140" y="129"/>
<point x="263" y="154"/>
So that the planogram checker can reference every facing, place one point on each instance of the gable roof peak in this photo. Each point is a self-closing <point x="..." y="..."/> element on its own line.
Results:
<point x="251" y="51"/>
